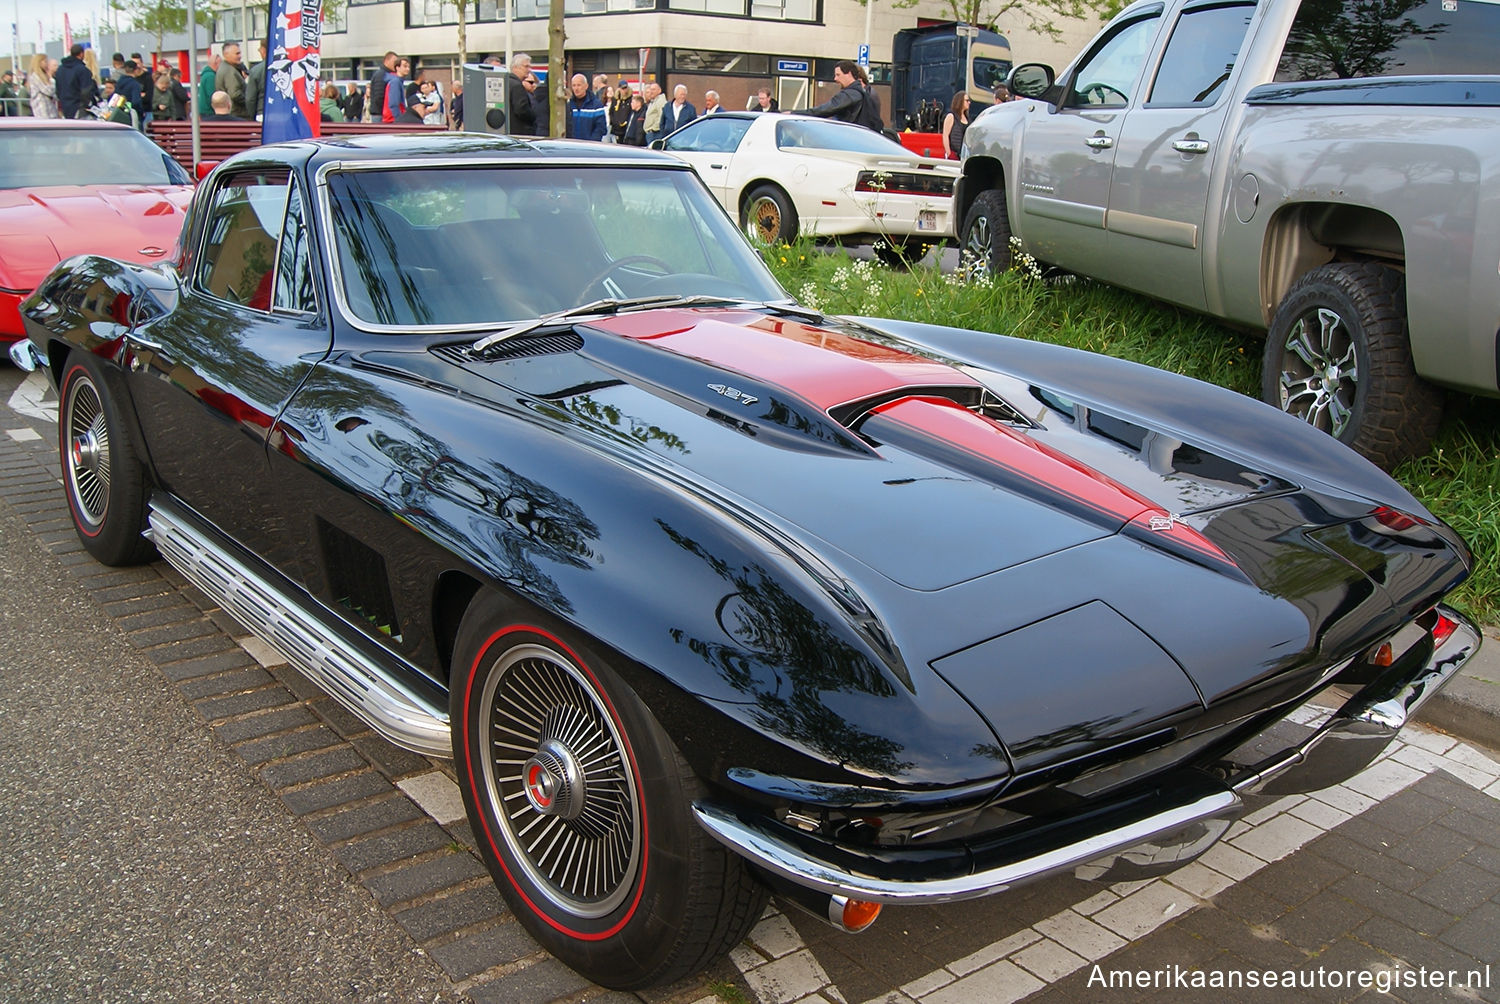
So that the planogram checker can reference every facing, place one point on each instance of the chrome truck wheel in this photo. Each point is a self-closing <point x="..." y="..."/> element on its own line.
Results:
<point x="1338" y="357"/>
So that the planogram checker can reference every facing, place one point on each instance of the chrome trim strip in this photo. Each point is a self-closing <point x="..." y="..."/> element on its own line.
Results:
<point x="754" y="838"/>
<point x="1358" y="732"/>
<point x="1061" y="209"/>
<point x="351" y="678"/>
<point x="1152" y="228"/>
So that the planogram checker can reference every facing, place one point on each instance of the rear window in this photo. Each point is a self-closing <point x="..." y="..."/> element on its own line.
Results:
<point x="818" y="134"/>
<point x="1348" y="39"/>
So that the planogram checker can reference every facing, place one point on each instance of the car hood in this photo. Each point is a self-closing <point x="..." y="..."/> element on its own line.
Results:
<point x="956" y="498"/>
<point x="860" y="444"/>
<point x="136" y="223"/>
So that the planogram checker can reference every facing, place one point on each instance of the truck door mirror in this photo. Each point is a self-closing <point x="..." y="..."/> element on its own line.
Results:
<point x="1030" y="80"/>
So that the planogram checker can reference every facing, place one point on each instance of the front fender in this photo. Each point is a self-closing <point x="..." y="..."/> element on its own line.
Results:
<point x="741" y="647"/>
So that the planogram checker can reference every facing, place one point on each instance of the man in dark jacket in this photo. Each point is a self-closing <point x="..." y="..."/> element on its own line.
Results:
<point x="518" y="97"/>
<point x="376" y="99"/>
<point x="77" y="90"/>
<point x="255" y="83"/>
<point x="846" y="105"/>
<point x="541" y="105"/>
<point x="586" y="114"/>
<point x="128" y="86"/>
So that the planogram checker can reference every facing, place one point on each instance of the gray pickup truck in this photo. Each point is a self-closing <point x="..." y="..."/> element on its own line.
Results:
<point x="1326" y="171"/>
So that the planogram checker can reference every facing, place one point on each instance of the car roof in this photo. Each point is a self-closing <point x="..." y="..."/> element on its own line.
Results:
<point x="26" y="122"/>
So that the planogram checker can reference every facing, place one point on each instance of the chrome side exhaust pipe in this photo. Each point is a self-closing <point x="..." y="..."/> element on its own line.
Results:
<point x="848" y="915"/>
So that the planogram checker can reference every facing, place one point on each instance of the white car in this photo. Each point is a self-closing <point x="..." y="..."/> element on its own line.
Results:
<point x="784" y="175"/>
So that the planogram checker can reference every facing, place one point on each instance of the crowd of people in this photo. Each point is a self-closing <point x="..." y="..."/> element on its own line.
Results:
<point x="227" y="90"/>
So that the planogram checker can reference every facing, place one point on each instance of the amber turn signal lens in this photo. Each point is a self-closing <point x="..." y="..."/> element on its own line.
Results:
<point x="859" y="915"/>
<point x="1383" y="656"/>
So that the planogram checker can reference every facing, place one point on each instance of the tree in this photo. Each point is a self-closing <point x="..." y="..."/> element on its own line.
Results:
<point x="557" y="68"/>
<point x="164" y="17"/>
<point x="1041" y="16"/>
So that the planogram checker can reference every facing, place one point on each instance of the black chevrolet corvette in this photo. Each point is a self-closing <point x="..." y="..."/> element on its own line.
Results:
<point x="518" y="450"/>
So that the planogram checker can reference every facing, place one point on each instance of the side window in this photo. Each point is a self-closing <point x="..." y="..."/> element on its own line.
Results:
<point x="1346" y="39"/>
<point x="294" y="283"/>
<point x="244" y="224"/>
<point x="1201" y="55"/>
<point x="1105" y="79"/>
<point x="710" y="135"/>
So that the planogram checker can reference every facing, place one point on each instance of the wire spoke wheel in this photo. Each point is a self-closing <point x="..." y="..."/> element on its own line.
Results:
<point x="565" y="793"/>
<point x="87" y="449"/>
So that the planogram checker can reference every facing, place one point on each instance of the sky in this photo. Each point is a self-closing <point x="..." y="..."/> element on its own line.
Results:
<point x="50" y="13"/>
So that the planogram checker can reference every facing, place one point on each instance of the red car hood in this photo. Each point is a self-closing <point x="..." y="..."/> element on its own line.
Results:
<point x="137" y="223"/>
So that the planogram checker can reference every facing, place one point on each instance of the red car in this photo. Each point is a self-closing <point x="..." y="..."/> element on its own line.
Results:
<point x="80" y="187"/>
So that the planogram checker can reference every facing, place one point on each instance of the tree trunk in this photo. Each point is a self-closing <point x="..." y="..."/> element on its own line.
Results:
<point x="557" y="70"/>
<point x="463" y="36"/>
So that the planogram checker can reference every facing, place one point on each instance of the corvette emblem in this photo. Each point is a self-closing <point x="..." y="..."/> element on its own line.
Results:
<point x="1163" y="524"/>
<point x="733" y="394"/>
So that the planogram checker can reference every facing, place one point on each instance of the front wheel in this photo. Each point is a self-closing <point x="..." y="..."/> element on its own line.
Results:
<point x="1338" y="357"/>
<point x="769" y="216"/>
<point x="580" y="802"/>
<point x="984" y="245"/>
<point x="103" y="479"/>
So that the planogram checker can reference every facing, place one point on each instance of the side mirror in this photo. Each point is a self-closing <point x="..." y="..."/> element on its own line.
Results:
<point x="658" y="144"/>
<point x="1031" y="80"/>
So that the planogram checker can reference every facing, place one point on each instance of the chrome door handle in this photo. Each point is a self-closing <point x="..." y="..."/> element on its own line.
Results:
<point x="1191" y="146"/>
<point x="1100" y="142"/>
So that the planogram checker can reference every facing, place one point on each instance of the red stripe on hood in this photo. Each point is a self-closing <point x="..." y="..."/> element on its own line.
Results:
<point x="825" y="368"/>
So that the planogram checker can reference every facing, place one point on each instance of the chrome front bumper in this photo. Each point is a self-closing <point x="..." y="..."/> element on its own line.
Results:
<point x="25" y="356"/>
<point x="1127" y="841"/>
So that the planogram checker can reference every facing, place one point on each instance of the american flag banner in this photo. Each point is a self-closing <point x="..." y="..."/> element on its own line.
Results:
<point x="291" y="109"/>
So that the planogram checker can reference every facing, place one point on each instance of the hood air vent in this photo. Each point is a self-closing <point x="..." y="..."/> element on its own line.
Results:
<point x="552" y="343"/>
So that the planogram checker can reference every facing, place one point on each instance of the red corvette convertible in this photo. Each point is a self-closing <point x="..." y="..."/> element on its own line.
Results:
<point x="79" y="187"/>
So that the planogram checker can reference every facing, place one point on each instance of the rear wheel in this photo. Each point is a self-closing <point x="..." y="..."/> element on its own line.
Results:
<point x="769" y="216"/>
<point x="103" y="478"/>
<point x="984" y="247"/>
<point x="579" y="803"/>
<point x="1338" y="357"/>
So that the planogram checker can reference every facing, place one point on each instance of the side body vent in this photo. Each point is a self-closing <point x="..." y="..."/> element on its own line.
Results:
<point x="357" y="576"/>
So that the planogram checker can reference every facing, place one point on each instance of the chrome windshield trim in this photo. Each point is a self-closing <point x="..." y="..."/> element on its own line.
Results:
<point x="330" y="245"/>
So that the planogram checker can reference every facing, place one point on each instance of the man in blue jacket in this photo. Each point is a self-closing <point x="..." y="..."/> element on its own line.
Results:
<point x="679" y="113"/>
<point x="586" y="113"/>
<point x="77" y="90"/>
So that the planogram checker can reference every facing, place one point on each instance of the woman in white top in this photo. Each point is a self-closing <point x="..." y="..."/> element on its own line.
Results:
<point x="43" y="89"/>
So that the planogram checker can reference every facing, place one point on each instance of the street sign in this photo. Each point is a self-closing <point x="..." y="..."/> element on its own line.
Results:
<point x="791" y="66"/>
<point x="864" y="55"/>
<point x="645" y="54"/>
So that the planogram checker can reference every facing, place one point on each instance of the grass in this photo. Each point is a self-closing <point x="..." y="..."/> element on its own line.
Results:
<point x="1457" y="481"/>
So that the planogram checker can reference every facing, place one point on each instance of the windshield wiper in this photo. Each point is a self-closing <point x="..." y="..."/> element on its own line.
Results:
<point x="597" y="308"/>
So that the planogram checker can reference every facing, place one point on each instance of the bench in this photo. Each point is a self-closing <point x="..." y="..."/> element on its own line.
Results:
<point x="219" y="140"/>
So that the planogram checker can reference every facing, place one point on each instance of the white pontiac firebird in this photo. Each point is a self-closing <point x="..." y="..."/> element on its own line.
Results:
<point x="785" y="175"/>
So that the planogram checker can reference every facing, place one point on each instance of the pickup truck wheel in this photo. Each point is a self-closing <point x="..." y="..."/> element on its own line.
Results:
<point x="103" y="478"/>
<point x="1338" y="357"/>
<point x="769" y="216"/>
<point x="580" y="806"/>
<point x="984" y="248"/>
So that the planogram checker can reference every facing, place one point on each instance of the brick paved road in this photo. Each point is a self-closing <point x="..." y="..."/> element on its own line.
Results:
<point x="1398" y="869"/>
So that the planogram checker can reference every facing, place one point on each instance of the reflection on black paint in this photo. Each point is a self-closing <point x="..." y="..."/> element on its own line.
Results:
<point x="785" y="661"/>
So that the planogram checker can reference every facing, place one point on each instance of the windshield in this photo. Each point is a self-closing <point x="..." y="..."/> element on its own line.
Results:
<point x="39" y="158"/>
<point x="815" y="134"/>
<point x="476" y="246"/>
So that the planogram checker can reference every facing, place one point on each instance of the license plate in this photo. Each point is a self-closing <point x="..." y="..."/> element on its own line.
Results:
<point x="927" y="219"/>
